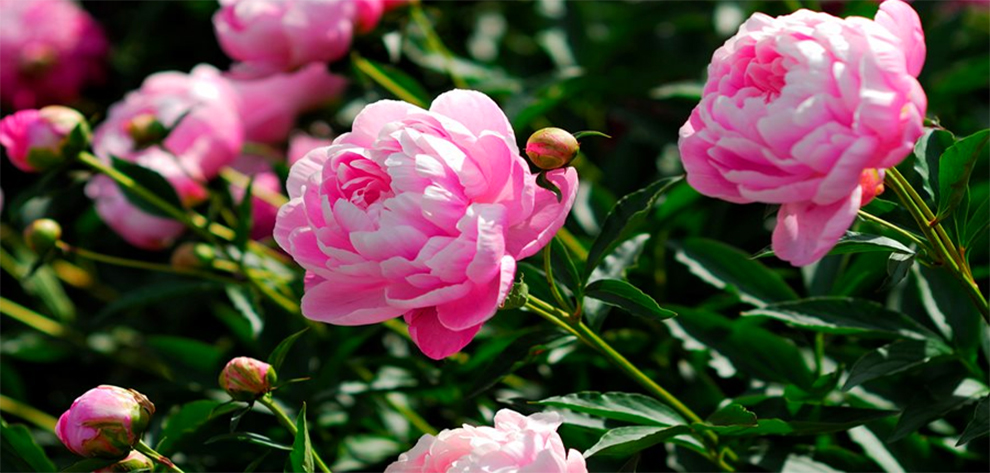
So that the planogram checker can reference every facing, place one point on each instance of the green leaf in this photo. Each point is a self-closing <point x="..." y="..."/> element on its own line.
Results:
<point x="729" y="268"/>
<point x="245" y="300"/>
<point x="955" y="167"/>
<point x="20" y="451"/>
<point x="627" y="407"/>
<point x="505" y="355"/>
<point x="949" y="307"/>
<point x="977" y="223"/>
<point x="627" y="297"/>
<point x="776" y="416"/>
<point x="186" y="352"/>
<point x="613" y="266"/>
<point x="626" y="441"/>
<point x="395" y="81"/>
<point x="277" y="356"/>
<point x="923" y="410"/>
<point x="150" y="180"/>
<point x="563" y="267"/>
<point x="187" y="419"/>
<point x="245" y="218"/>
<point x="980" y="425"/>
<point x="898" y="267"/>
<point x="157" y="292"/>
<point x="301" y="458"/>
<point x="249" y="437"/>
<point x="733" y="414"/>
<point x="853" y="242"/>
<point x="87" y="465"/>
<point x="927" y="151"/>
<point x="843" y="315"/>
<point x="622" y="220"/>
<point x="899" y="356"/>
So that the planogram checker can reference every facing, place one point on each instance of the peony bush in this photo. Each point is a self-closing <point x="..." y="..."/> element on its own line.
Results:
<point x="596" y="236"/>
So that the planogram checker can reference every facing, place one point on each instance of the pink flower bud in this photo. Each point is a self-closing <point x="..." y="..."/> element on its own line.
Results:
<point x="106" y="422"/>
<point x="42" y="234"/>
<point x="551" y="148"/>
<point x="145" y="130"/>
<point x="37" y="140"/>
<point x="247" y="379"/>
<point x="135" y="461"/>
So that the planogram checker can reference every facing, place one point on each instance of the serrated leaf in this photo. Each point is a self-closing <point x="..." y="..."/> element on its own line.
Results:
<point x="728" y="268"/>
<point x="21" y="451"/>
<point x="955" y="168"/>
<point x="980" y="425"/>
<point x="622" y="220"/>
<point x="627" y="407"/>
<point x="627" y="297"/>
<point x="301" y="457"/>
<point x="150" y="180"/>
<point x="843" y="315"/>
<point x="853" y="242"/>
<point x="927" y="151"/>
<point x="249" y="437"/>
<point x="245" y="300"/>
<point x="894" y="358"/>
<point x="277" y="355"/>
<point x="626" y="441"/>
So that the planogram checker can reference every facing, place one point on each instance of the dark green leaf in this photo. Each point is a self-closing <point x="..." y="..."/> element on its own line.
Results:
<point x="249" y="437"/>
<point x="563" y="266"/>
<point x="277" y="356"/>
<point x="21" y="451"/>
<point x="927" y="151"/>
<point x="625" y="441"/>
<point x="245" y="217"/>
<point x="980" y="425"/>
<point x="843" y="315"/>
<point x="150" y="180"/>
<point x="955" y="167"/>
<point x="949" y="307"/>
<point x="187" y="419"/>
<point x="87" y="465"/>
<point x="879" y="206"/>
<point x="627" y="407"/>
<point x="301" y="458"/>
<point x="733" y="414"/>
<point x="853" y="242"/>
<point x="898" y="267"/>
<point x="623" y="219"/>
<point x="977" y="223"/>
<point x="729" y="268"/>
<point x="157" y="292"/>
<point x="899" y="356"/>
<point x="181" y="352"/>
<point x="246" y="301"/>
<point x="923" y="410"/>
<point x="514" y="353"/>
<point x="613" y="266"/>
<point x="776" y="416"/>
<point x="627" y="297"/>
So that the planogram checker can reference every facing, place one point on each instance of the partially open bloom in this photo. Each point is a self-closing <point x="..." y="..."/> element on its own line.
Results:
<point x="105" y="421"/>
<point x="797" y="108"/>
<point x="40" y="139"/>
<point x="552" y="148"/>
<point x="419" y="213"/>
<point x="184" y="126"/>
<point x="49" y="49"/>
<point x="516" y="443"/>
<point x="134" y="461"/>
<point x="247" y="379"/>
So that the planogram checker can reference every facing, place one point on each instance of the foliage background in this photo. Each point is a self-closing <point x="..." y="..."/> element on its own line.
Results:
<point x="630" y="69"/>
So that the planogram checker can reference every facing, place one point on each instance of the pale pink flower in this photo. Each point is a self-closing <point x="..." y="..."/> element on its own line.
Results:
<point x="797" y="108"/>
<point x="184" y="126"/>
<point x="420" y="213"/>
<point x="269" y="106"/>
<point x="105" y="421"/>
<point x="49" y="49"/>
<point x="36" y="140"/>
<point x="516" y="444"/>
<point x="269" y="36"/>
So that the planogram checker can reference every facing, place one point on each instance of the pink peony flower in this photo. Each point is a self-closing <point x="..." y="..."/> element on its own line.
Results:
<point x="185" y="127"/>
<point x="420" y="213"/>
<point x="797" y="108"/>
<point x="269" y="36"/>
<point x="105" y="421"/>
<point x="516" y="444"/>
<point x="37" y="139"/>
<point x="269" y="106"/>
<point x="265" y="181"/>
<point x="301" y="143"/>
<point x="49" y="49"/>
<point x="246" y="379"/>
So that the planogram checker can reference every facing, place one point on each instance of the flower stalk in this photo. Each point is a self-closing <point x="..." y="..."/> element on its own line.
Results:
<point x="289" y="425"/>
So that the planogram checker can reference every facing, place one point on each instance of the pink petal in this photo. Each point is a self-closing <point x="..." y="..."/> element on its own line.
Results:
<point x="805" y="231"/>
<point x="435" y="340"/>
<point x="477" y="112"/>
<point x="481" y="303"/>
<point x="901" y="20"/>
<point x="525" y="239"/>
<point x="373" y="118"/>
<point x="360" y="303"/>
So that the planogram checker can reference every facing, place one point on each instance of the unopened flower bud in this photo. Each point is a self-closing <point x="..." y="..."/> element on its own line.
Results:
<point x="191" y="255"/>
<point x="42" y="234"/>
<point x="37" y="140"/>
<point x="135" y="461"/>
<point x="247" y="379"/>
<point x="871" y="181"/>
<point x="146" y="130"/>
<point x="105" y="422"/>
<point x="551" y="148"/>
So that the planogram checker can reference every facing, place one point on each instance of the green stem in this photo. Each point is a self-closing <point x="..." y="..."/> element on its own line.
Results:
<point x="548" y="269"/>
<point x="590" y="338"/>
<point x="819" y="353"/>
<point x="158" y="457"/>
<point x="944" y="248"/>
<point x="906" y="234"/>
<point x="289" y="425"/>
<point x="129" y="263"/>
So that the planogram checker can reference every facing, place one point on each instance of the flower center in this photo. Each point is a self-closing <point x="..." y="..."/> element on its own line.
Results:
<point x="362" y="181"/>
<point x="766" y="72"/>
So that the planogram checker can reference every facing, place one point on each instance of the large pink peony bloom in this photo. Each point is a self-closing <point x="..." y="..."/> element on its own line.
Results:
<point x="421" y="213"/>
<point x="49" y="49"/>
<point x="269" y="106"/>
<point x="797" y="108"/>
<point x="200" y="110"/>
<point x="105" y="421"/>
<point x="517" y="444"/>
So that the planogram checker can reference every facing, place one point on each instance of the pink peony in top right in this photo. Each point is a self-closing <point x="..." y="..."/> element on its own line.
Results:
<point x="805" y="110"/>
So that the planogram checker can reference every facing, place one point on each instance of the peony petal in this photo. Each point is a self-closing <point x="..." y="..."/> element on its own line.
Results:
<point x="525" y="239"/>
<point x="359" y="303"/>
<point x="481" y="303"/>
<point x="477" y="112"/>
<point x="805" y="232"/>
<point x="901" y="20"/>
<point x="435" y="340"/>
<point x="372" y="119"/>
